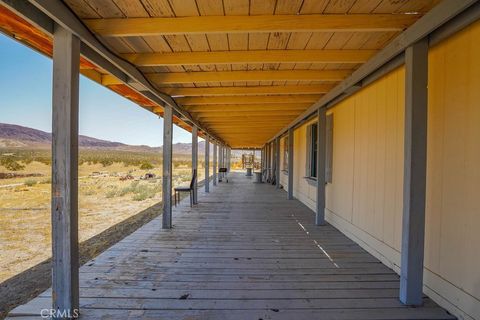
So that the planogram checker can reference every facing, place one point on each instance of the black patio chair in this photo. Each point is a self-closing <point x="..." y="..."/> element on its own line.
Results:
<point x="189" y="189"/>
<point x="225" y="172"/>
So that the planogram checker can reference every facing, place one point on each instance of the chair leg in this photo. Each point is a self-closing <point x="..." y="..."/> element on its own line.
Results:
<point x="175" y="195"/>
<point x="191" y="199"/>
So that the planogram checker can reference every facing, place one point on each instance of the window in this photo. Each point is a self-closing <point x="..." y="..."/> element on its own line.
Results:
<point x="312" y="147"/>
<point x="285" y="154"/>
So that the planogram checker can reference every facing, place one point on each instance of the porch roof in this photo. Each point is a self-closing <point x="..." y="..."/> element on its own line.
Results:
<point x="240" y="70"/>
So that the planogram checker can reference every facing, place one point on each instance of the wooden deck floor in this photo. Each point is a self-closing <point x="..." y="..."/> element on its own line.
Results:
<point x="245" y="252"/>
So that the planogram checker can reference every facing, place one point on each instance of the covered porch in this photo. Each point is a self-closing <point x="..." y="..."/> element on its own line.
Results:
<point x="244" y="252"/>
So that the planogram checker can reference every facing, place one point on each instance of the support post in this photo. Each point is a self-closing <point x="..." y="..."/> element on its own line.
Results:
<point x="167" y="167"/>
<point x="414" y="173"/>
<point x="220" y="164"/>
<point x="321" y="159"/>
<point x="229" y="159"/>
<point x="277" y="161"/>
<point x="65" y="284"/>
<point x="290" y="164"/>
<point x="267" y="158"/>
<point x="207" y="164"/>
<point x="195" y="162"/>
<point x="274" y="161"/>
<point x="215" y="170"/>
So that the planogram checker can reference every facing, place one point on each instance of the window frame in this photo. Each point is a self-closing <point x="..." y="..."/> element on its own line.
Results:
<point x="311" y="169"/>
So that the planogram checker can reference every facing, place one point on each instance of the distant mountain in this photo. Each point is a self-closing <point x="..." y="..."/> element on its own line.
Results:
<point x="15" y="136"/>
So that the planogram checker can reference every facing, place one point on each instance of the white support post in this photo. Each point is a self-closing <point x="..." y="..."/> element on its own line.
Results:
<point x="207" y="164"/>
<point x="65" y="264"/>
<point x="414" y="173"/>
<point x="321" y="158"/>
<point x="277" y="162"/>
<point x="215" y="164"/>
<point x="167" y="167"/>
<point x="290" y="164"/>
<point x="195" y="162"/>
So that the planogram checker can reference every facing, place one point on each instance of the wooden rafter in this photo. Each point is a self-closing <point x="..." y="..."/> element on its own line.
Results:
<point x="253" y="56"/>
<point x="275" y="75"/>
<point x="247" y="107"/>
<point x="258" y="113"/>
<point x="250" y="118"/>
<point x="249" y="24"/>
<point x="294" y="99"/>
<point x="257" y="90"/>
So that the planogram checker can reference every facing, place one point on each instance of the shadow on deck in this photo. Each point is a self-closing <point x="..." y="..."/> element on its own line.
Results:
<point x="244" y="252"/>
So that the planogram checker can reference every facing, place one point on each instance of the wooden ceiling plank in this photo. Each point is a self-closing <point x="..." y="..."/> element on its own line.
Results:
<point x="244" y="24"/>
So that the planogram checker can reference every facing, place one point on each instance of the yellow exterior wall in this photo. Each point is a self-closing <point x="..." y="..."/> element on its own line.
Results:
<point x="364" y="199"/>
<point x="452" y="254"/>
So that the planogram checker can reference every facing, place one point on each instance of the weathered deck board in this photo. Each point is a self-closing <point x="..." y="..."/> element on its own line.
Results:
<point x="245" y="252"/>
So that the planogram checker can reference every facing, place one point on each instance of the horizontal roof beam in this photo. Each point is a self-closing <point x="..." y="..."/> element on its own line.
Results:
<point x="247" y="107"/>
<point x="128" y="27"/>
<point x="233" y="114"/>
<point x="249" y="56"/>
<point x="253" y="90"/>
<point x="294" y="99"/>
<point x="233" y="76"/>
<point x="252" y="119"/>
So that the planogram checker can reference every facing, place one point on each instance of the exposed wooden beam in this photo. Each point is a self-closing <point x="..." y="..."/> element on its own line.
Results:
<point x="228" y="119"/>
<point x="233" y="114"/>
<point x="243" y="130"/>
<point x="302" y="98"/>
<point x="247" y="107"/>
<point x="249" y="56"/>
<point x="243" y="91"/>
<point x="232" y="76"/>
<point x="238" y="125"/>
<point x="250" y="24"/>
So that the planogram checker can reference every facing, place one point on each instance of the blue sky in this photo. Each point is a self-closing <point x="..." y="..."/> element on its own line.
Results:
<point x="25" y="99"/>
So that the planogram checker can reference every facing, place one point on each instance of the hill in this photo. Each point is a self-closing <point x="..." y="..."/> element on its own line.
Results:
<point x="15" y="136"/>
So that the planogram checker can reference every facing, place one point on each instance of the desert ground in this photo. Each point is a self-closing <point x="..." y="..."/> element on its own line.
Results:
<point x="111" y="189"/>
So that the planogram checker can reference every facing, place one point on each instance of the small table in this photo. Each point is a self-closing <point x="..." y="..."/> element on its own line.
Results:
<point x="249" y="172"/>
<point x="258" y="177"/>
